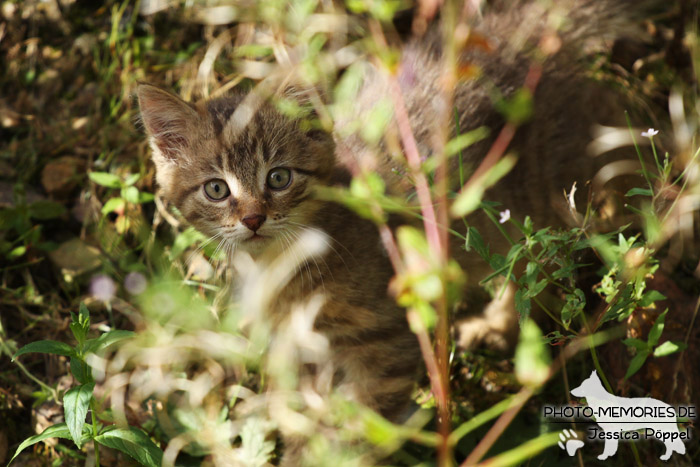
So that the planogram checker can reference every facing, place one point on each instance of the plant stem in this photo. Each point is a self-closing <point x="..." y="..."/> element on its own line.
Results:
<point x="516" y="403"/>
<point x="94" y="432"/>
<point x="5" y="348"/>
<point x="639" y="153"/>
<point x="437" y="241"/>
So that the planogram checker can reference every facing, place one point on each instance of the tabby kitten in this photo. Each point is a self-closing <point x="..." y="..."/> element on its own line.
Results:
<point x="242" y="172"/>
<point x="247" y="178"/>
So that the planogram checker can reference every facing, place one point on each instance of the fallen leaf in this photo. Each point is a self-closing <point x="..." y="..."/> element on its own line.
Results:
<point x="75" y="257"/>
<point x="60" y="176"/>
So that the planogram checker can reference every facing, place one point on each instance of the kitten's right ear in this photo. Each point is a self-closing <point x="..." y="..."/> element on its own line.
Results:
<point x="168" y="119"/>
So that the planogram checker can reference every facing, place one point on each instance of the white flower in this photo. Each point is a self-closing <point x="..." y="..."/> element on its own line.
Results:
<point x="650" y="132"/>
<point x="505" y="215"/>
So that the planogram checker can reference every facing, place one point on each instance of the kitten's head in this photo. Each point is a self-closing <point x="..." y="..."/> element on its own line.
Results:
<point x="235" y="167"/>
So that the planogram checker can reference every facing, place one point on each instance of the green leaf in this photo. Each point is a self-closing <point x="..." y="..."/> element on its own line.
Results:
<point x="113" y="204"/>
<point x="465" y="140"/>
<point x="650" y="297"/>
<point x="555" y="337"/>
<point x="470" y="198"/>
<point x="17" y="252"/>
<point x="75" y="407"/>
<point x="427" y="314"/>
<point x="107" y="339"/>
<point x="253" y="51"/>
<point x="131" y="179"/>
<point x="145" y="197"/>
<point x="522" y="305"/>
<point x="518" y="108"/>
<point x="59" y="430"/>
<point x="184" y="240"/>
<point x="133" y="442"/>
<point x="428" y="287"/>
<point x="131" y="194"/>
<point x="80" y="370"/>
<point x="637" y="362"/>
<point x="639" y="192"/>
<point x="531" y="357"/>
<point x="378" y="430"/>
<point x="105" y="179"/>
<point x="78" y="332"/>
<point x="574" y="305"/>
<point x="84" y="315"/>
<point x="657" y="329"/>
<point x="499" y="264"/>
<point x="43" y="210"/>
<point x="668" y="348"/>
<point x="531" y="273"/>
<point x="369" y="189"/>
<point x="52" y="347"/>
<point x="636" y="343"/>
<point x="475" y="241"/>
<point x="536" y="289"/>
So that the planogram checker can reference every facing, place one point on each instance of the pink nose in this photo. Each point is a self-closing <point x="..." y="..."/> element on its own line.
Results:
<point x="254" y="221"/>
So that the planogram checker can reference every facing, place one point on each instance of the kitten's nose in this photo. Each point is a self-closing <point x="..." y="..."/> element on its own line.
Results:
<point x="254" y="221"/>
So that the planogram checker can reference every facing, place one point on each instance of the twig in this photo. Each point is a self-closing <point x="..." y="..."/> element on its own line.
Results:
<point x="414" y="163"/>
<point x="392" y="250"/>
<point x="497" y="429"/>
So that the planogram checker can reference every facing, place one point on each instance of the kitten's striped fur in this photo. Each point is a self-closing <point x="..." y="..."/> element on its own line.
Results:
<point x="240" y="140"/>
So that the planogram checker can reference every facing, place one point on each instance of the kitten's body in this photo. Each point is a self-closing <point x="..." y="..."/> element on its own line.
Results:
<point x="241" y="142"/>
<point x="359" y="318"/>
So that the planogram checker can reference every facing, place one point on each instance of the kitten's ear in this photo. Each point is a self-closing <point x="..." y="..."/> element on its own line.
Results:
<point x="168" y="120"/>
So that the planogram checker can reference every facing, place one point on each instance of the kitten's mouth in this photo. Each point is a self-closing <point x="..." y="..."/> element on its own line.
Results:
<point x="255" y="238"/>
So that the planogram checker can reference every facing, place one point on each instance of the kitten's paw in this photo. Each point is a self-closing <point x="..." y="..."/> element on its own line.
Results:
<point x="497" y="327"/>
<point x="476" y="333"/>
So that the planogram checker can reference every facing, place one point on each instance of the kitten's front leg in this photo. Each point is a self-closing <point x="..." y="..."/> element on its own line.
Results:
<point x="380" y="370"/>
<point x="495" y="328"/>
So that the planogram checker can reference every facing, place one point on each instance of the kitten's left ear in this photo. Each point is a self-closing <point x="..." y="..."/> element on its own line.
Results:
<point x="168" y="120"/>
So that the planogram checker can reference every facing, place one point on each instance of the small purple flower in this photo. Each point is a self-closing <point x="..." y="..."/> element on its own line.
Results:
<point x="135" y="283"/>
<point x="102" y="288"/>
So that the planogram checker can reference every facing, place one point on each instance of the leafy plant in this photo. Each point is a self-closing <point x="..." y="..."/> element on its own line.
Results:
<point x="79" y="400"/>
<point x="650" y="347"/>
<point x="128" y="194"/>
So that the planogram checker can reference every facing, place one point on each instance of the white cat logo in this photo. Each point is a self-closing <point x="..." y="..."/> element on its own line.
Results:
<point x="607" y="408"/>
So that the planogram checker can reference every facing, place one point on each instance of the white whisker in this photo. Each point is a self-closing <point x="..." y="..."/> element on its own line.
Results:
<point x="320" y="274"/>
<point x="329" y="242"/>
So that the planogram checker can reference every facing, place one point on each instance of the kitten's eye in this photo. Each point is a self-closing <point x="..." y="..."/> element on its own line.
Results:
<point x="216" y="189"/>
<point x="279" y="178"/>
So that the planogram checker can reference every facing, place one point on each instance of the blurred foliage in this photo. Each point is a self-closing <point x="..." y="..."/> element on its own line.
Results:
<point x="81" y="223"/>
